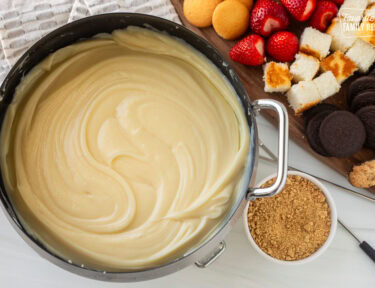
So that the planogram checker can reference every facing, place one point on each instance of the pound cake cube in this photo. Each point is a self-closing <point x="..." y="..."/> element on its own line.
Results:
<point x="303" y="96"/>
<point x="362" y="54"/>
<point x="353" y="10"/>
<point x="315" y="43"/>
<point x="304" y="67"/>
<point x="342" y="38"/>
<point x="277" y="77"/>
<point x="327" y="85"/>
<point x="340" y="65"/>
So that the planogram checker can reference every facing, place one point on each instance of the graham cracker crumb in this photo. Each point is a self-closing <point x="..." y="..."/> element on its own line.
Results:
<point x="293" y="224"/>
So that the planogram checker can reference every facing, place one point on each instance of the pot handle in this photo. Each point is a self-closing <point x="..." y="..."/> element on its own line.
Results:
<point x="213" y="257"/>
<point x="282" y="166"/>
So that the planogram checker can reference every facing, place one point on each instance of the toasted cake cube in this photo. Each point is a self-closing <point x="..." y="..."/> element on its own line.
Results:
<point x="277" y="77"/>
<point x="367" y="28"/>
<point x="370" y="2"/>
<point x="362" y="54"/>
<point x="354" y="4"/>
<point x="304" y="67"/>
<point x="315" y="43"/>
<point x="343" y="37"/>
<point x="303" y="96"/>
<point x="327" y="85"/>
<point x="353" y="10"/>
<point x="340" y="65"/>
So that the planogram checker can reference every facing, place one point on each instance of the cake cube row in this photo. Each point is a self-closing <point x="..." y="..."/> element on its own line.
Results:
<point x="306" y="94"/>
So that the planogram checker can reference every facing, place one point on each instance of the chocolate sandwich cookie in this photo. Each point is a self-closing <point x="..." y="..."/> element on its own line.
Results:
<point x="359" y="85"/>
<point x="309" y="114"/>
<point x="342" y="134"/>
<point x="367" y="116"/>
<point x="365" y="98"/>
<point x="312" y="132"/>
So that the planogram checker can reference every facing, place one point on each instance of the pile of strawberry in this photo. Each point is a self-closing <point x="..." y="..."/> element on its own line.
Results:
<point x="269" y="19"/>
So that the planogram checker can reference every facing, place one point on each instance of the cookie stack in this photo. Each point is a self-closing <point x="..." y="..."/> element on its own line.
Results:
<point x="361" y="101"/>
<point x="337" y="133"/>
<point x="229" y="18"/>
<point x="332" y="132"/>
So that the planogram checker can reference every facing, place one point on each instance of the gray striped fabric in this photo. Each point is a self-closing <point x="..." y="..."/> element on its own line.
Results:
<point x="24" y="22"/>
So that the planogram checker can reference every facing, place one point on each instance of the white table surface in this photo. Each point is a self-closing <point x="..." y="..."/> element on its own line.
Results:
<point x="342" y="265"/>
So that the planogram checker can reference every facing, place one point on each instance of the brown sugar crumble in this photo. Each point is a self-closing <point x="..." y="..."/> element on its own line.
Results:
<point x="293" y="224"/>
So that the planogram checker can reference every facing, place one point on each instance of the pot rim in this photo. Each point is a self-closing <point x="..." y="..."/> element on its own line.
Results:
<point x="199" y="250"/>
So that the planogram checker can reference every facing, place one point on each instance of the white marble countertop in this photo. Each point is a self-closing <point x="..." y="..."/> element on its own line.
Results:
<point x="343" y="265"/>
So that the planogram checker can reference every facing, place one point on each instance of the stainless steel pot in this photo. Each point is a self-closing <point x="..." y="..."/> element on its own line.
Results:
<point x="211" y="249"/>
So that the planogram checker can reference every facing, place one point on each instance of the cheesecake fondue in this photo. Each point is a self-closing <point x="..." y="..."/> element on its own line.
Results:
<point x="124" y="151"/>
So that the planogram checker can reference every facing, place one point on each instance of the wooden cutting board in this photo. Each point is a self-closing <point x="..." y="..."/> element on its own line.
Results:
<point x="252" y="80"/>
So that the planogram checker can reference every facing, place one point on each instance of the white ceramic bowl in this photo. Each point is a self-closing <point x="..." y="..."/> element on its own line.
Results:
<point x="321" y="250"/>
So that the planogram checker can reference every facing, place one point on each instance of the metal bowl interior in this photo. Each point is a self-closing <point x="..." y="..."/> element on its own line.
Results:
<point x="106" y="23"/>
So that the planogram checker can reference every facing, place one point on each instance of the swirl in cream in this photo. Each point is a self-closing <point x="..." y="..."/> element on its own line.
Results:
<point x="124" y="151"/>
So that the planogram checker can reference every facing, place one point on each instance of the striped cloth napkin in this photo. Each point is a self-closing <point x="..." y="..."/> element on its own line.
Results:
<point x="22" y="23"/>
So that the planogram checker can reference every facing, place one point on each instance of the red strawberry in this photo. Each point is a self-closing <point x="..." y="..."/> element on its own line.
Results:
<point x="300" y="9"/>
<point x="325" y="11"/>
<point x="282" y="46"/>
<point x="249" y="51"/>
<point x="268" y="16"/>
<point x="338" y="2"/>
